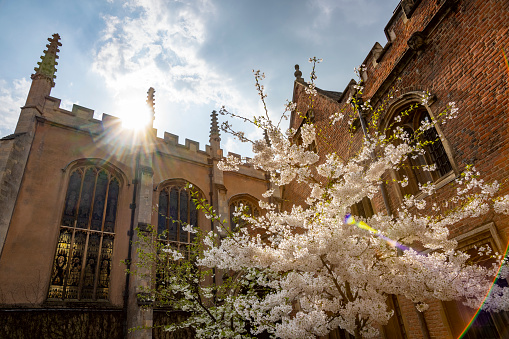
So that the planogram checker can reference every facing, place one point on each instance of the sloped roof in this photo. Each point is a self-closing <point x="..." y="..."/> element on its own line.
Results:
<point x="330" y="94"/>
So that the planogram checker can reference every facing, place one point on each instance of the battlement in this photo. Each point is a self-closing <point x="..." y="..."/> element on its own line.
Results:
<point x="82" y="118"/>
<point x="247" y="160"/>
<point x="172" y="139"/>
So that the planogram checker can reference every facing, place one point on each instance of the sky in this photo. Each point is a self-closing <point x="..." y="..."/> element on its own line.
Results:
<point x="199" y="55"/>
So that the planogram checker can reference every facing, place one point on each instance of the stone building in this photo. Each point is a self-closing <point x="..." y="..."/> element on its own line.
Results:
<point x="72" y="191"/>
<point x="453" y="50"/>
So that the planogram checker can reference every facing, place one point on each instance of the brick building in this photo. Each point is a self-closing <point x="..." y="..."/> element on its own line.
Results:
<point x="73" y="189"/>
<point x="453" y="50"/>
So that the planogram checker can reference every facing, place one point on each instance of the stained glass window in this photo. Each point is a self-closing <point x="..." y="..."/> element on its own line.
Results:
<point x="176" y="209"/>
<point x="82" y="265"/>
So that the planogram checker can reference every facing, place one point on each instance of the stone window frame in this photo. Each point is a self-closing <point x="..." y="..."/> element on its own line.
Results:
<point x="113" y="172"/>
<point x="400" y="104"/>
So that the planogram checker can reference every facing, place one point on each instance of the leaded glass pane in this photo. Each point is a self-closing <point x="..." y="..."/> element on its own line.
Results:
<point x="71" y="199"/>
<point x="105" y="267"/>
<point x="172" y="229"/>
<point x="60" y="264"/>
<point x="86" y="198"/>
<point x="437" y="152"/>
<point x="111" y="208"/>
<point x="163" y="212"/>
<point x="90" y="266"/>
<point x="99" y="200"/>
<point x="78" y="250"/>
<point x="436" y="149"/>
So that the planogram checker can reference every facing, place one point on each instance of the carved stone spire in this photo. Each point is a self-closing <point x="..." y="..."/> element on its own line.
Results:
<point x="47" y="65"/>
<point x="151" y="102"/>
<point x="214" y="127"/>
<point x="43" y="78"/>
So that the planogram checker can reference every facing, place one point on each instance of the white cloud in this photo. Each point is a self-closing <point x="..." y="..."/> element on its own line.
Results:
<point x="157" y="44"/>
<point x="12" y="97"/>
<point x="231" y="145"/>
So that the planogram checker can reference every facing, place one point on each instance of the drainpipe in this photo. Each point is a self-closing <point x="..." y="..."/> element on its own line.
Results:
<point x="131" y="234"/>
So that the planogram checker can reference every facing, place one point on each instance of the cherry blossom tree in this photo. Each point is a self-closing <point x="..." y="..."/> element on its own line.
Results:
<point x="325" y="269"/>
<point x="318" y="267"/>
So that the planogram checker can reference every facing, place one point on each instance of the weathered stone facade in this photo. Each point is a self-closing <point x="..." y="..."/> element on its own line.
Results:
<point x="38" y="164"/>
<point x="453" y="50"/>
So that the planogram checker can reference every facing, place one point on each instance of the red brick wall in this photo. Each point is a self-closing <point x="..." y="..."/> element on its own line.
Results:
<point x="462" y="61"/>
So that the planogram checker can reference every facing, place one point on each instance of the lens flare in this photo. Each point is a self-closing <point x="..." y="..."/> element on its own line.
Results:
<point x="350" y="220"/>
<point x="471" y="322"/>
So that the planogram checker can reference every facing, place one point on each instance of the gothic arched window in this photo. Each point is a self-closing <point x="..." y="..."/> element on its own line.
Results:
<point x="249" y="207"/>
<point x="82" y="265"/>
<point x="176" y="209"/>
<point x="415" y="168"/>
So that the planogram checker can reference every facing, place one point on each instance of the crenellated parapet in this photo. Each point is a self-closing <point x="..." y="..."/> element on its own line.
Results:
<point x="82" y="119"/>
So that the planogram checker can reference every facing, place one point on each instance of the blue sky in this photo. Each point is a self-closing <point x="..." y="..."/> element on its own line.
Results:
<point x="198" y="55"/>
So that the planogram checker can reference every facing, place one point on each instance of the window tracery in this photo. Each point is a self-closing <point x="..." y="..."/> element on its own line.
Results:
<point x="82" y="264"/>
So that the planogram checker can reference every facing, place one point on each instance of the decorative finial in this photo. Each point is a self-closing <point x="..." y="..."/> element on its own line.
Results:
<point x="298" y="74"/>
<point x="214" y="127"/>
<point x="47" y="69"/>
<point x="151" y="102"/>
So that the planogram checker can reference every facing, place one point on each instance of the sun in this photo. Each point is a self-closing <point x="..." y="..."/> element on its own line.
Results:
<point x="135" y="116"/>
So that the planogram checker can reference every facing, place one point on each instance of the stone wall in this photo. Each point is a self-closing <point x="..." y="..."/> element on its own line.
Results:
<point x="60" y="324"/>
